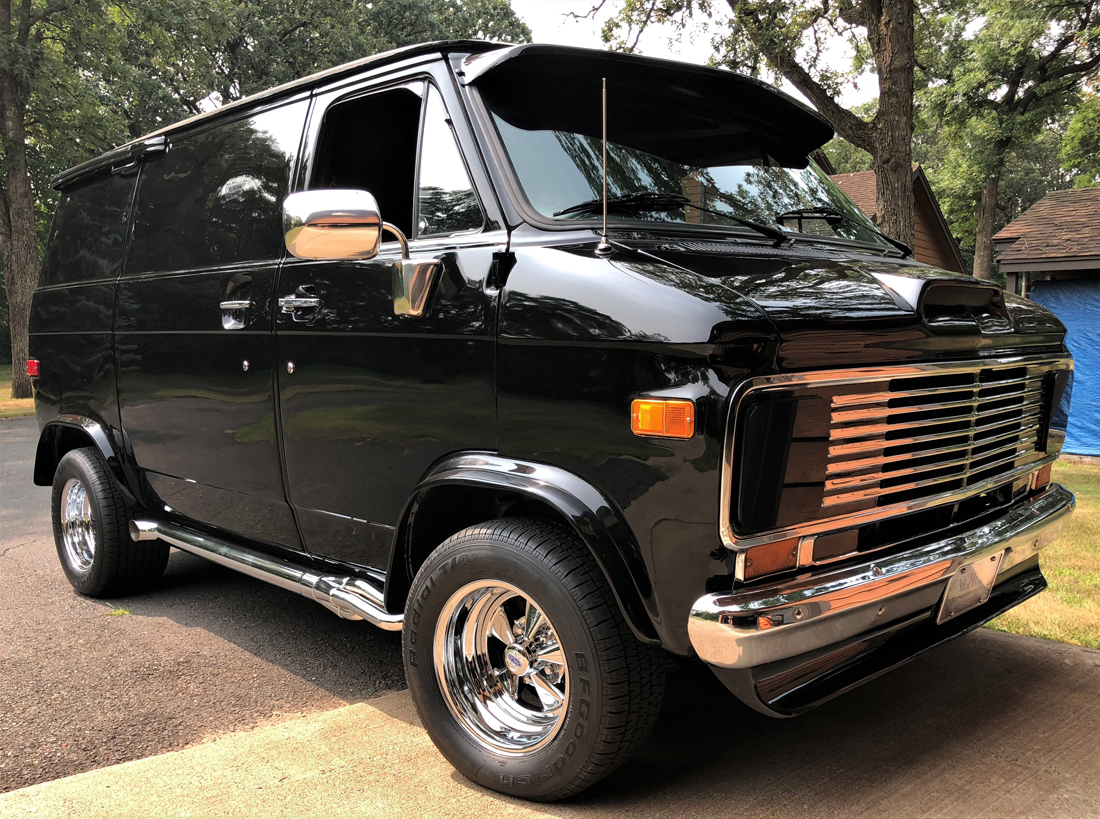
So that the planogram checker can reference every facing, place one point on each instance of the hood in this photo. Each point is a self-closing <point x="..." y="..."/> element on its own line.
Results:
<point x="835" y="308"/>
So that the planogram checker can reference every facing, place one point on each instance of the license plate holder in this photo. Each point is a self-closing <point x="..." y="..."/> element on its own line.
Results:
<point x="970" y="586"/>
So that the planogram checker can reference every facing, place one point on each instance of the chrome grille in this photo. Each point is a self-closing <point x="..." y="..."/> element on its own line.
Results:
<point x="927" y="434"/>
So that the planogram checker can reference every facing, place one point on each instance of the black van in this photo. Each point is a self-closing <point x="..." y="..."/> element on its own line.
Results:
<point x="364" y="337"/>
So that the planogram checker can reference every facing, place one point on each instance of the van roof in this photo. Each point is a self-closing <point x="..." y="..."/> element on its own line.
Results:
<point x="744" y="112"/>
<point x="131" y="151"/>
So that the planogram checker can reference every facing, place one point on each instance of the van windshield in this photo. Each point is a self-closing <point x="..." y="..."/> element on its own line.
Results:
<point x="561" y="169"/>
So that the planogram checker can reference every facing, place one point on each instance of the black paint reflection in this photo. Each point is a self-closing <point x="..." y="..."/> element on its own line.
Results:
<point x="89" y="231"/>
<point x="216" y="197"/>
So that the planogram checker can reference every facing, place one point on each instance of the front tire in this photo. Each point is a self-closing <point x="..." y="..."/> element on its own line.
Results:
<point x="521" y="665"/>
<point x="89" y="529"/>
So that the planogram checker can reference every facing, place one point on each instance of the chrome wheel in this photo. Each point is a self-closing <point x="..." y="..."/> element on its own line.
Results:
<point x="501" y="667"/>
<point x="77" y="525"/>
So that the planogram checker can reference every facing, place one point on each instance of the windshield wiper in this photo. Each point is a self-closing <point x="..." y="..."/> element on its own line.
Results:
<point x="642" y="201"/>
<point x="825" y="212"/>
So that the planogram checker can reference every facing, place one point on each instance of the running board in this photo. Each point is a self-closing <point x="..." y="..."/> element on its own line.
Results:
<point x="350" y="597"/>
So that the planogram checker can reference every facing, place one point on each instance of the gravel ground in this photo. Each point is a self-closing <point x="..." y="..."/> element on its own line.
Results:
<point x="208" y="652"/>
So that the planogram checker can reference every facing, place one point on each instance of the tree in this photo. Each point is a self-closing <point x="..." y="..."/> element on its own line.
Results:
<point x="793" y="38"/>
<point x="1010" y="71"/>
<point x="33" y="75"/>
<point x="1081" y="147"/>
<point x="78" y="76"/>
<point x="268" y="42"/>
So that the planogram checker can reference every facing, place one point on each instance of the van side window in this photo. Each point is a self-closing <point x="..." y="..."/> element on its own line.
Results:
<point x="89" y="232"/>
<point x="369" y="143"/>
<point x="446" y="199"/>
<point x="216" y="197"/>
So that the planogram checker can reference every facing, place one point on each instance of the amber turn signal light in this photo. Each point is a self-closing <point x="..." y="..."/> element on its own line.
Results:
<point x="770" y="558"/>
<point x="662" y="417"/>
<point x="32" y="367"/>
<point x="1042" y="477"/>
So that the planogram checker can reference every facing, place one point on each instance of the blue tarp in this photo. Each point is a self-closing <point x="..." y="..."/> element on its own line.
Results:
<point x="1077" y="304"/>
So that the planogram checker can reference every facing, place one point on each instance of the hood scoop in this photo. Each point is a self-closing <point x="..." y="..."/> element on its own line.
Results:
<point x="949" y="302"/>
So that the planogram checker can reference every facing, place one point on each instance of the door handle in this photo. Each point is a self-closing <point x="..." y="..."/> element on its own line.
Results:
<point x="288" y="304"/>
<point x="236" y="304"/>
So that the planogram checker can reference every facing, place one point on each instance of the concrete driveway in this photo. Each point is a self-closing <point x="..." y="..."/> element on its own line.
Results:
<point x="990" y="725"/>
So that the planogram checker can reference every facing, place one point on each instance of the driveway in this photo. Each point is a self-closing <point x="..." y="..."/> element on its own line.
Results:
<point x="990" y="725"/>
<point x="210" y="651"/>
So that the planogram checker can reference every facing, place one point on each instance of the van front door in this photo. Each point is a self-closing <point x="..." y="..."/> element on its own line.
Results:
<point x="371" y="399"/>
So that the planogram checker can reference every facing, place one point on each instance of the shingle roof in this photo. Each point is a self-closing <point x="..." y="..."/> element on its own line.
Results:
<point x="860" y="188"/>
<point x="1061" y="225"/>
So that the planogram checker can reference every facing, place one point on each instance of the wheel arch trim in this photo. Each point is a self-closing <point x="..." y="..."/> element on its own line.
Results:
<point x="47" y="455"/>
<point x="593" y="517"/>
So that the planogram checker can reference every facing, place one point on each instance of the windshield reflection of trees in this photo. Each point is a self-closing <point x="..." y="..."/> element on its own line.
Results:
<point x="764" y="191"/>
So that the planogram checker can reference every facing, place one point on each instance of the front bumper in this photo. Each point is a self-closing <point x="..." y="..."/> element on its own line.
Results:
<point x="812" y="613"/>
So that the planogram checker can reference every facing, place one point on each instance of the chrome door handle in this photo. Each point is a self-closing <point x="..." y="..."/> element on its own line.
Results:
<point x="236" y="304"/>
<point x="288" y="304"/>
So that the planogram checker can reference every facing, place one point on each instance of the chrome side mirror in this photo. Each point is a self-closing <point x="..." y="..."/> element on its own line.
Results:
<point x="332" y="224"/>
<point x="345" y="224"/>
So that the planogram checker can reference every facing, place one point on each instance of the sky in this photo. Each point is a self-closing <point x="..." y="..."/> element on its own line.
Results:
<point x="549" y="23"/>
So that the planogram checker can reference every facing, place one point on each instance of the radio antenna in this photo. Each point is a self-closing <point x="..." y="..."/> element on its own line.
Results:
<point x="604" y="247"/>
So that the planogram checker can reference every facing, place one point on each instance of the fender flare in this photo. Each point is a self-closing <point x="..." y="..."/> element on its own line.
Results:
<point x="597" y="521"/>
<point x="47" y="454"/>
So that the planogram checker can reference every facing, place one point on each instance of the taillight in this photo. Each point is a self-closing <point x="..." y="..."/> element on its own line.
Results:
<point x="32" y="367"/>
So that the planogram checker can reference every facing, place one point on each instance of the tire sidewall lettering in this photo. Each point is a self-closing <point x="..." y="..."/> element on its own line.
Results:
<point x="558" y="760"/>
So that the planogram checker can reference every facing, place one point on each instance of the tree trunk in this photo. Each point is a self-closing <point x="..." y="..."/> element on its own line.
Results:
<point x="18" y="239"/>
<point x="987" y="213"/>
<point x="893" y="124"/>
<point x="20" y="254"/>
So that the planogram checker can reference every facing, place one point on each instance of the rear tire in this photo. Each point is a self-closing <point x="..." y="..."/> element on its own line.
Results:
<point x="539" y="713"/>
<point x="90" y="531"/>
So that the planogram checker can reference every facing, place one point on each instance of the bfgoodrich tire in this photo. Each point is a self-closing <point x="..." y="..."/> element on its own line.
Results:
<point x="523" y="670"/>
<point x="89" y="529"/>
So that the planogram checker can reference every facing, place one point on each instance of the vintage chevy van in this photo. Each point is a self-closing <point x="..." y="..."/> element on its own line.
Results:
<point x="363" y="337"/>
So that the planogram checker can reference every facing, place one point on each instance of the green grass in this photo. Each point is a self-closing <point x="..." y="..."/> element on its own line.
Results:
<point x="118" y="612"/>
<point x="10" y="407"/>
<point x="1069" y="610"/>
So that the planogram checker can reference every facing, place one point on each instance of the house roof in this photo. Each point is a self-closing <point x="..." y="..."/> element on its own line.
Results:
<point x="860" y="188"/>
<point x="1062" y="226"/>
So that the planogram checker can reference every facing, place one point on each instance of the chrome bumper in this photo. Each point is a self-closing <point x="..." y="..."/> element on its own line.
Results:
<point x="814" y="612"/>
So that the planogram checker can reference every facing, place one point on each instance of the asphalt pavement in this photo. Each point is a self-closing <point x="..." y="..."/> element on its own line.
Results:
<point x="208" y="652"/>
<point x="270" y="699"/>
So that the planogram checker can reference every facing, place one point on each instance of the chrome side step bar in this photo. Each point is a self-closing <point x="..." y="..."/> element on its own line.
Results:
<point x="350" y="597"/>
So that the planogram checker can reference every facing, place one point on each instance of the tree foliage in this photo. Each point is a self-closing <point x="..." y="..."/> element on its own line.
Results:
<point x="1005" y="71"/>
<point x="1081" y="147"/>
<point x="79" y="76"/>
<point x="795" y="39"/>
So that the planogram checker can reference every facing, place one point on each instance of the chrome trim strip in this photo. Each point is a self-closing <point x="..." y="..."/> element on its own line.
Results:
<point x="845" y="467"/>
<point x="836" y="450"/>
<point x="842" y="416"/>
<point x="820" y="610"/>
<point x="828" y="378"/>
<point x="850" y="481"/>
<point x="844" y="433"/>
<point x="870" y="494"/>
<point x="855" y="399"/>
<point x="350" y="597"/>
